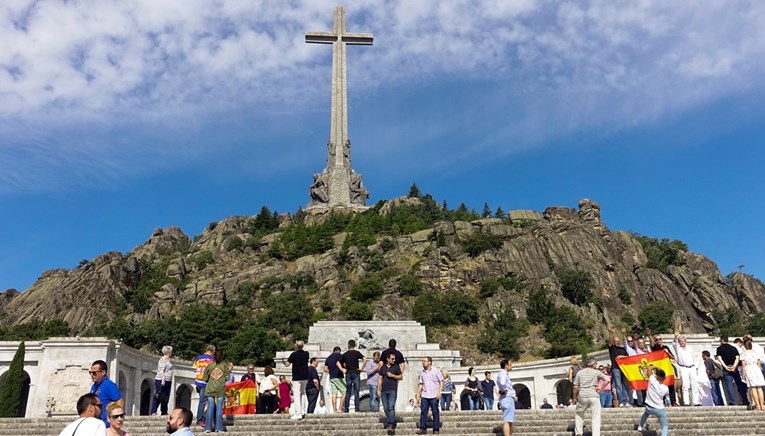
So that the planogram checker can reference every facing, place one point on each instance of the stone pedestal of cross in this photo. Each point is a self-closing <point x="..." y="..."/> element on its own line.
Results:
<point x="338" y="185"/>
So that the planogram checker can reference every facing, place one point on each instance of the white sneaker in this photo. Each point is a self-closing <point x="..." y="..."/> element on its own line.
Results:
<point x="296" y="417"/>
<point x="639" y="428"/>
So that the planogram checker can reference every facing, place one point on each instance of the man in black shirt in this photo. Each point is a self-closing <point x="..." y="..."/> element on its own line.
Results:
<point x="387" y="390"/>
<point x="350" y="362"/>
<point x="728" y="356"/>
<point x="299" y="361"/>
<point x="622" y="388"/>
<point x="400" y="361"/>
<point x="312" y="388"/>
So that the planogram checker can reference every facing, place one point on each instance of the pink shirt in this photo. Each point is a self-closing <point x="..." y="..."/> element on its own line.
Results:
<point x="431" y="382"/>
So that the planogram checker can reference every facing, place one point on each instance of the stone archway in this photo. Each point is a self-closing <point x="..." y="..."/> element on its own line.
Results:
<point x="524" y="395"/>
<point x="183" y="396"/>
<point x="564" y="390"/>
<point x="146" y="394"/>
<point x="25" y="382"/>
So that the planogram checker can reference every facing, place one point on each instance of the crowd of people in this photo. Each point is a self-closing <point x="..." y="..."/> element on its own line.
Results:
<point x="740" y="367"/>
<point x="737" y="370"/>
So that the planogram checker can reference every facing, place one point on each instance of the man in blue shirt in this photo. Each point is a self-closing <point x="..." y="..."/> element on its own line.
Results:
<point x="337" y="383"/>
<point x="104" y="388"/>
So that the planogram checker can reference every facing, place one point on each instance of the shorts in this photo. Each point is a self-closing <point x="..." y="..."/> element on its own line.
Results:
<point x="338" y="386"/>
<point x="507" y="403"/>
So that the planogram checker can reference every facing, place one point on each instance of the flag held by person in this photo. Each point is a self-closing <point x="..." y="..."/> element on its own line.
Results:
<point x="240" y="398"/>
<point x="635" y="368"/>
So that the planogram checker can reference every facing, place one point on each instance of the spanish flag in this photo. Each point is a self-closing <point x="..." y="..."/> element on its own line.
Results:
<point x="635" y="368"/>
<point x="240" y="398"/>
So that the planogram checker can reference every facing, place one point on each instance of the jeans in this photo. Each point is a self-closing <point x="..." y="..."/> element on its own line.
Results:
<point x="389" y="405"/>
<point x="202" y="403"/>
<point x="623" y="390"/>
<point x="215" y="411"/>
<point x="733" y="383"/>
<point x="716" y="392"/>
<point x="164" y="394"/>
<point x="373" y="399"/>
<point x="352" y="382"/>
<point x="473" y="402"/>
<point x="488" y="403"/>
<point x="446" y="401"/>
<point x="432" y="404"/>
<point x="313" y="396"/>
<point x="606" y="399"/>
<point x="659" y="413"/>
<point x="582" y="405"/>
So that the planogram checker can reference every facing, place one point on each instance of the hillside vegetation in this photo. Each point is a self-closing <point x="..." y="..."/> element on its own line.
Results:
<point x="544" y="285"/>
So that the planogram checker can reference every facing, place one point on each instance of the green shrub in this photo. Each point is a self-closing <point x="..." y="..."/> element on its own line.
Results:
<point x="479" y="241"/>
<point x="576" y="285"/>
<point x="501" y="337"/>
<point x="657" y="315"/>
<point x="13" y="385"/>
<point x="491" y="286"/>
<point x="756" y="324"/>
<point x="454" y="307"/>
<point x="356" y="311"/>
<point x="290" y="313"/>
<point x="464" y="307"/>
<point x="202" y="259"/>
<point x="246" y="293"/>
<point x="234" y="243"/>
<point x="625" y="296"/>
<point x="387" y="245"/>
<point x="409" y="285"/>
<point x="728" y="321"/>
<point x="367" y="289"/>
<point x="255" y="344"/>
<point x="662" y="253"/>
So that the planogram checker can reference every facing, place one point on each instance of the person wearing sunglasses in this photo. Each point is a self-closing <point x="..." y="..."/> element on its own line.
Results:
<point x="116" y="417"/>
<point x="89" y="423"/>
<point x="104" y="388"/>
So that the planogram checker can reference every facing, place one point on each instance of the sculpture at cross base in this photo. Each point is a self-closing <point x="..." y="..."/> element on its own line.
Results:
<point x="338" y="185"/>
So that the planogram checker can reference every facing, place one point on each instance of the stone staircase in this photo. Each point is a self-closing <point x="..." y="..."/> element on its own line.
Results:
<point x="707" y="421"/>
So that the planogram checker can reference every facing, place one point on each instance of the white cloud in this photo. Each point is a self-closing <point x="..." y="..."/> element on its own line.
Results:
<point x="113" y="63"/>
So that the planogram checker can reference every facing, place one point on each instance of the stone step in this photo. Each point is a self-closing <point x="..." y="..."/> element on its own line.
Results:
<point x="718" y="421"/>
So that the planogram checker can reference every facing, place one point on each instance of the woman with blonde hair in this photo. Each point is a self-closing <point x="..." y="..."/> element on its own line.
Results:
<point x="448" y="391"/>
<point x="163" y="381"/>
<point x="116" y="416"/>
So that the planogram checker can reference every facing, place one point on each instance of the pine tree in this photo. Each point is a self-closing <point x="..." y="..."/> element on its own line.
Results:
<point x="414" y="191"/>
<point x="500" y="213"/>
<point x="10" y="397"/>
<point x="486" y="211"/>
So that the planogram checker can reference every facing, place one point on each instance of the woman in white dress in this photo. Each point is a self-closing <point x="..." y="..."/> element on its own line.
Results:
<point x="753" y="375"/>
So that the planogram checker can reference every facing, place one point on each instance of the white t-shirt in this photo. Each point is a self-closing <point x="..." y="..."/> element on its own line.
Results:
<point x="85" y="427"/>
<point x="656" y="393"/>
<point x="320" y="410"/>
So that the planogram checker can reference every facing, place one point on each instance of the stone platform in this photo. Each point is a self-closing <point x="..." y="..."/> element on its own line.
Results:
<point x="683" y="421"/>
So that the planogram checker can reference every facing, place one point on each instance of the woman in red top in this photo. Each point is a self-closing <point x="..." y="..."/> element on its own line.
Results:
<point x="285" y="400"/>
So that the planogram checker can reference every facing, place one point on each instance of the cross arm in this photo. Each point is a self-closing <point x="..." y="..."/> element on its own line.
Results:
<point x="320" y="37"/>
<point x="358" y="38"/>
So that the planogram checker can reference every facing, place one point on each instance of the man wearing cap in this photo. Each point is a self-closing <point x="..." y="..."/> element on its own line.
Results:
<point x="587" y="396"/>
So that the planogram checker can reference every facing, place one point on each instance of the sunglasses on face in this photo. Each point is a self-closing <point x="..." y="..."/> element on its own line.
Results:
<point x="95" y="372"/>
<point x="120" y="416"/>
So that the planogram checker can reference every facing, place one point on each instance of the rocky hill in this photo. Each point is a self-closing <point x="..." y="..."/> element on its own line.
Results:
<point x="406" y="245"/>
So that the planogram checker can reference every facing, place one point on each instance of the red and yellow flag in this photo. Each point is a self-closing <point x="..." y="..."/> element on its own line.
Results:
<point x="240" y="398"/>
<point x="635" y="368"/>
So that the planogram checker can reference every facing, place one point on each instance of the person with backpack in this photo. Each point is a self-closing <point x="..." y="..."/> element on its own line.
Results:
<point x="715" y="375"/>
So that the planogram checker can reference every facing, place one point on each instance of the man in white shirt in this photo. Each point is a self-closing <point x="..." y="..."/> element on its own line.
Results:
<point x="322" y="409"/>
<point x="89" y="423"/>
<point x="687" y="365"/>
<point x="654" y="400"/>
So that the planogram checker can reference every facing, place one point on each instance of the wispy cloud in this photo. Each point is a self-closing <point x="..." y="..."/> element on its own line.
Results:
<point x="69" y="69"/>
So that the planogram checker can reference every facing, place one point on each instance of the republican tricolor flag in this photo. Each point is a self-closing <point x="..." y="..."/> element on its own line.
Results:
<point x="635" y="368"/>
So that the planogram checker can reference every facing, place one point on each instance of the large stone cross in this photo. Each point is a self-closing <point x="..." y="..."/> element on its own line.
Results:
<point x="338" y="184"/>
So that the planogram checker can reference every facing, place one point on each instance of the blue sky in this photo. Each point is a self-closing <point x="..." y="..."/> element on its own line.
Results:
<point x="118" y="117"/>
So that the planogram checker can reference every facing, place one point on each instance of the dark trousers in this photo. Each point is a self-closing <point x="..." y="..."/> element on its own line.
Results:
<point x="432" y="404"/>
<point x="313" y="396"/>
<point x="163" y="396"/>
<point x="352" y="383"/>
<point x="389" y="405"/>
<point x="734" y="383"/>
<point x="266" y="403"/>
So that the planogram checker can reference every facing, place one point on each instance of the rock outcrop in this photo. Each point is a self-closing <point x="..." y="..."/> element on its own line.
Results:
<point x="532" y="246"/>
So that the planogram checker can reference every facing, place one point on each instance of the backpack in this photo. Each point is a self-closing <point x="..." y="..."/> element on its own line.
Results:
<point x="718" y="372"/>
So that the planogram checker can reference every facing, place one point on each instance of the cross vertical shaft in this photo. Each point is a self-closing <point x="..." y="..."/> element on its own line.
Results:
<point x="338" y="184"/>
